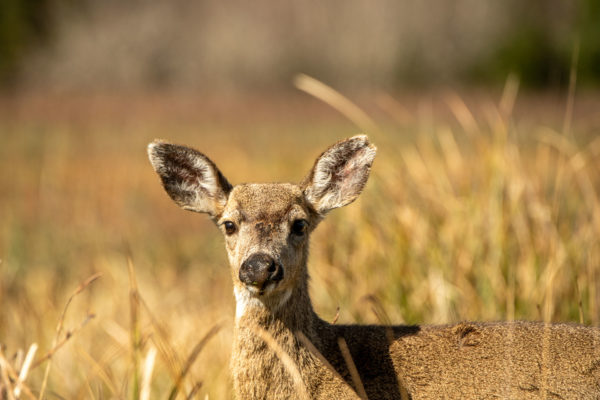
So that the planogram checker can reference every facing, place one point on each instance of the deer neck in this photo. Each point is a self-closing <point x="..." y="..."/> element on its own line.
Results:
<point x="258" y="371"/>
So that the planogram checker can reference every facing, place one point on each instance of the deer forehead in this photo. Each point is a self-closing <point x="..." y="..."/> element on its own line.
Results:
<point x="266" y="202"/>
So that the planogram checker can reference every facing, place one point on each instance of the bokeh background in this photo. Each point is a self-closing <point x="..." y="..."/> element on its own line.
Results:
<point x="482" y="204"/>
<point x="215" y="46"/>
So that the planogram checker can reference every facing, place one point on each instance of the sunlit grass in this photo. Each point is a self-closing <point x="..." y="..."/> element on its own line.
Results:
<point x="475" y="210"/>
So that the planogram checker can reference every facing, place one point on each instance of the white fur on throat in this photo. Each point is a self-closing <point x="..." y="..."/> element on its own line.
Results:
<point x="245" y="300"/>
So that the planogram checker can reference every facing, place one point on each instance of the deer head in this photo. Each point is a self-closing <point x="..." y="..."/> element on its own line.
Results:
<point x="266" y="225"/>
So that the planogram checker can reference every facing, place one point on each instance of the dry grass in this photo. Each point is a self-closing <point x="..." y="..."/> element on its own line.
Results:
<point x="477" y="209"/>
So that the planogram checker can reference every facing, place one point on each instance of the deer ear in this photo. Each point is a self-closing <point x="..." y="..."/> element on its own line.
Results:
<point x="339" y="174"/>
<point x="190" y="178"/>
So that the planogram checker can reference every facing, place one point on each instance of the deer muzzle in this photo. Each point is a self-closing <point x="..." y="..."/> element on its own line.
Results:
<point x="259" y="270"/>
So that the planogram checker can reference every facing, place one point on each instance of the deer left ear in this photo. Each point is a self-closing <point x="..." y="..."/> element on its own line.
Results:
<point x="339" y="174"/>
<point x="190" y="178"/>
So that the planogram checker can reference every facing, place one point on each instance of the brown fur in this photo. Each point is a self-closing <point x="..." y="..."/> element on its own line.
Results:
<point x="518" y="360"/>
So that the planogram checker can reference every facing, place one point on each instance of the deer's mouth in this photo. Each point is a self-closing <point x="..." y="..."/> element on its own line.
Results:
<point x="265" y="289"/>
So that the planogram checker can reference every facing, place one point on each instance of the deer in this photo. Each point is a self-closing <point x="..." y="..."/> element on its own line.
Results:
<point x="283" y="350"/>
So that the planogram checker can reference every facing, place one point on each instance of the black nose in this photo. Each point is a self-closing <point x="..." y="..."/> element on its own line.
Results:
<point x="260" y="269"/>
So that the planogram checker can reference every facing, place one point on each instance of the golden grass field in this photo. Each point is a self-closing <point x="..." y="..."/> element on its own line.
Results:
<point x="480" y="207"/>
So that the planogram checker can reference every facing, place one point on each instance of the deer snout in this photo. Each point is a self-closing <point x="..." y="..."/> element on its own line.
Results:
<point x="259" y="270"/>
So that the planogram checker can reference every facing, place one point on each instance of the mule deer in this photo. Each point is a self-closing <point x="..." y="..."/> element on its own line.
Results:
<point x="283" y="350"/>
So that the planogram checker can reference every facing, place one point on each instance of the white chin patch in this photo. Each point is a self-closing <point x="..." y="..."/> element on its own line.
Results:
<point x="253" y="290"/>
<point x="250" y="297"/>
<point x="245" y="298"/>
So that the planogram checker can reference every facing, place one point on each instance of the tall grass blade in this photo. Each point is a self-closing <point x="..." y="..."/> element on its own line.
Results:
<point x="134" y="330"/>
<point x="147" y="376"/>
<point x="25" y="369"/>
<point x="55" y="343"/>
<point x="352" y="368"/>
<point x="286" y="360"/>
<point x="191" y="358"/>
<point x="336" y="100"/>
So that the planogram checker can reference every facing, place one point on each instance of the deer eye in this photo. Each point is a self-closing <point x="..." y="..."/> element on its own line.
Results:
<point x="230" y="227"/>
<point x="299" y="227"/>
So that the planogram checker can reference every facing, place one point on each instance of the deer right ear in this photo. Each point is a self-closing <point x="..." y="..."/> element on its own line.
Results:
<point x="339" y="174"/>
<point x="190" y="178"/>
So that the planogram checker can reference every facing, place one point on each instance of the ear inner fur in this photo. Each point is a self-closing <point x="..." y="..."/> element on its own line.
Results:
<point x="339" y="174"/>
<point x="190" y="178"/>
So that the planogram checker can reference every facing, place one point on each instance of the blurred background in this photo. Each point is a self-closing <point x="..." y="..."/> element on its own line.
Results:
<point x="482" y="203"/>
<point x="214" y="46"/>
